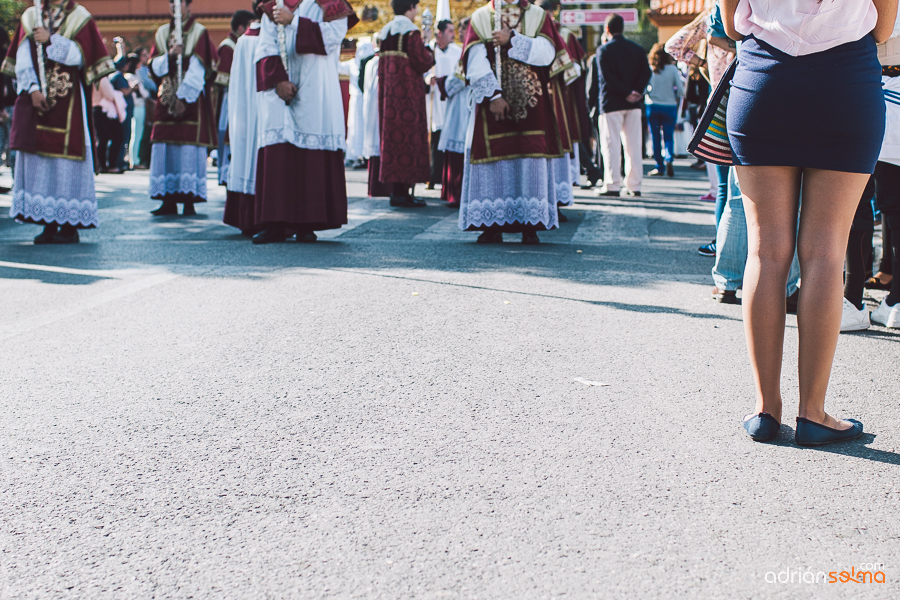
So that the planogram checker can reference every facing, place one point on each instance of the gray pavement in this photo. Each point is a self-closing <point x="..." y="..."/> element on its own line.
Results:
<point x="397" y="412"/>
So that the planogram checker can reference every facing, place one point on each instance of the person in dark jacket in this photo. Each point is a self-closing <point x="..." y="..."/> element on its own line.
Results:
<point x="623" y="77"/>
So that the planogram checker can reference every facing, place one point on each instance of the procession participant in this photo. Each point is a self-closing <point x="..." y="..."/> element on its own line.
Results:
<point x="54" y="171"/>
<point x="516" y="145"/>
<point x="579" y="119"/>
<point x="300" y="167"/>
<point x="356" y="108"/>
<point x="405" y="58"/>
<point x="372" y="137"/>
<point x="239" y="23"/>
<point x="453" y="133"/>
<point x="446" y="58"/>
<point x="242" y="110"/>
<point x="184" y="126"/>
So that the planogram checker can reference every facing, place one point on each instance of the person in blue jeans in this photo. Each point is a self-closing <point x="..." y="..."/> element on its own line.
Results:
<point x="664" y="93"/>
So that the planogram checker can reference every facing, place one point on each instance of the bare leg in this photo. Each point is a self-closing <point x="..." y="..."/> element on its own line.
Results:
<point x="829" y="203"/>
<point x="771" y="199"/>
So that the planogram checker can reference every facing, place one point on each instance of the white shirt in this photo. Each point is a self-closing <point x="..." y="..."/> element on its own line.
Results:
<point x="445" y="62"/>
<point x="801" y="27"/>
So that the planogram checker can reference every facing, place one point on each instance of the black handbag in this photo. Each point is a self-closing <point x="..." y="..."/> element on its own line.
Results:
<point x="710" y="140"/>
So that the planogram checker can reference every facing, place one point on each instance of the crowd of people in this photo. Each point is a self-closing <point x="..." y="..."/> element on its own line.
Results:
<point x="507" y="122"/>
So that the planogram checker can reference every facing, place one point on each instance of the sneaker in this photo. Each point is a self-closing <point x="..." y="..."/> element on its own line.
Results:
<point x="708" y="198"/>
<point x="657" y="173"/>
<point x="708" y="249"/>
<point x="855" y="320"/>
<point x="886" y="315"/>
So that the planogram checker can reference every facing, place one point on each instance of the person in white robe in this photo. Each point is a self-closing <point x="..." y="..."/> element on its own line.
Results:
<point x="446" y="58"/>
<point x="243" y="131"/>
<point x="356" y="110"/>
<point x="300" y="183"/>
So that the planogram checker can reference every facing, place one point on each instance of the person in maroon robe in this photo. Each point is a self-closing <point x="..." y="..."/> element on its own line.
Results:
<point x="52" y="126"/>
<point x="405" y="59"/>
<point x="184" y="126"/>
<point x="240" y="21"/>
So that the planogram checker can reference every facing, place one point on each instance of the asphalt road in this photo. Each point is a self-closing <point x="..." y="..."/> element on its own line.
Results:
<point x="396" y="412"/>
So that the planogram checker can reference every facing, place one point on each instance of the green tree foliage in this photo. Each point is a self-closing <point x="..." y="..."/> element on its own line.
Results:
<point x="10" y="12"/>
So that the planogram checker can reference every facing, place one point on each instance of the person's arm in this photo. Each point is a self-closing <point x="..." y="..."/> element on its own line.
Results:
<point x="193" y="82"/>
<point x="679" y="82"/>
<point x="887" y="16"/>
<point x="536" y="51"/>
<point x="64" y="51"/>
<point x="421" y="57"/>
<point x="725" y="43"/>
<point x="728" y="9"/>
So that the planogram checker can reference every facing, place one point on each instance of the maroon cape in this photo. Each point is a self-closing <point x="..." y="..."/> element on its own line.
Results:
<point x="401" y="108"/>
<point x="539" y="129"/>
<point x="196" y="126"/>
<point x="60" y="131"/>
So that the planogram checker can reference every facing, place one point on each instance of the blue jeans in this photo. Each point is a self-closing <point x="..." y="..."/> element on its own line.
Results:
<point x="662" y="117"/>
<point x="731" y="244"/>
<point x="722" y="193"/>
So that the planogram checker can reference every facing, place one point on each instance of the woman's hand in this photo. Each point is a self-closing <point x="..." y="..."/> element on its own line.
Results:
<point x="41" y="35"/>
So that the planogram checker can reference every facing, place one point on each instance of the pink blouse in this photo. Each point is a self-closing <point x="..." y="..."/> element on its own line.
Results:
<point x="801" y="27"/>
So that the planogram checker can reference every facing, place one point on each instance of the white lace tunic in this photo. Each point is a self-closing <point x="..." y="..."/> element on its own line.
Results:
<point x="54" y="190"/>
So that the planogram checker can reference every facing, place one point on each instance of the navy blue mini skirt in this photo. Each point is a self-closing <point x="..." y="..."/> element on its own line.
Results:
<point x="820" y="111"/>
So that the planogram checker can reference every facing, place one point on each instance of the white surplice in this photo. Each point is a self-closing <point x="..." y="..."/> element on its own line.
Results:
<point x="356" y="110"/>
<point x="445" y="62"/>
<point x="315" y="118"/>
<point x="372" y="137"/>
<point x="243" y="115"/>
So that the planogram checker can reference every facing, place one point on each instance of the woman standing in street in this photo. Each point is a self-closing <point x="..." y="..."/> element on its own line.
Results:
<point x="789" y="124"/>
<point x="665" y="91"/>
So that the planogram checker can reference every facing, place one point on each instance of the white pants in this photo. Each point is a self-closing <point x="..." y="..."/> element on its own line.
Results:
<point x="612" y="126"/>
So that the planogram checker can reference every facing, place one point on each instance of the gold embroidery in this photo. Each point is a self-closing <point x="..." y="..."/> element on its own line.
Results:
<point x="167" y="88"/>
<point x="521" y="88"/>
<point x="59" y="84"/>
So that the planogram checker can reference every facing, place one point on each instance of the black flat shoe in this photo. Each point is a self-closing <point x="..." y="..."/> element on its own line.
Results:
<point x="530" y="238"/>
<point x="167" y="208"/>
<point x="762" y="427"/>
<point x="45" y="237"/>
<point x="490" y="237"/>
<point x="306" y="238"/>
<point x="810" y="433"/>
<point x="66" y="235"/>
<point x="269" y="236"/>
<point x="610" y="193"/>
<point x="407" y="202"/>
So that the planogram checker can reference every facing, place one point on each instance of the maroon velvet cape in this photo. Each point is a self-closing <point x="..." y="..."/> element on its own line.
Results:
<point x="298" y="188"/>
<point x="543" y="132"/>
<point x="197" y="125"/>
<point x="401" y="108"/>
<point x="59" y="133"/>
